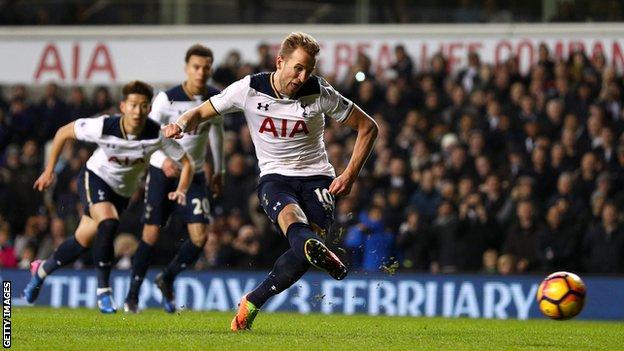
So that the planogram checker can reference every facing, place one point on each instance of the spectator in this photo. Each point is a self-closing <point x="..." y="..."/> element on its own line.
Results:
<point x="370" y="245"/>
<point x="247" y="246"/>
<point x="102" y="101"/>
<point x="266" y="61"/>
<point x="404" y="65"/>
<point x="414" y="242"/>
<point x="490" y="257"/>
<point x="427" y="198"/>
<point x="58" y="232"/>
<point x="559" y="243"/>
<point x="444" y="240"/>
<point x="8" y="258"/>
<point x="506" y="264"/>
<point x="237" y="186"/>
<point x="52" y="112"/>
<point x="522" y="239"/>
<point x="603" y="245"/>
<point x="78" y="106"/>
<point x="475" y="233"/>
<point x="125" y="247"/>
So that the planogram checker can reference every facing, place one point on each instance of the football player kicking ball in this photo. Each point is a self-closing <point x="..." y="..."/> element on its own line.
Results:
<point x="162" y="178"/>
<point x="112" y="174"/>
<point x="285" y="112"/>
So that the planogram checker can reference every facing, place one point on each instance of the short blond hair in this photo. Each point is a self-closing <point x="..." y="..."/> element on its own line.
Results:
<point x="299" y="40"/>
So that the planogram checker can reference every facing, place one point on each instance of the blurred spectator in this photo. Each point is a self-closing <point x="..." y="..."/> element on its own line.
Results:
<point x="27" y="255"/>
<point x="368" y="242"/>
<point x="403" y="64"/>
<point x="58" y="232"/>
<point x="237" y="185"/>
<point x="506" y="264"/>
<point x="52" y="112"/>
<point x="23" y="119"/>
<point x="414" y="242"/>
<point x="444" y="240"/>
<point x="227" y="72"/>
<point x="125" y="247"/>
<point x="427" y="198"/>
<point x="78" y="106"/>
<point x="522" y="239"/>
<point x="5" y="130"/>
<point x="490" y="257"/>
<point x="102" y="102"/>
<point x="30" y="236"/>
<point x="469" y="77"/>
<point x="475" y="233"/>
<point x="8" y="257"/>
<point x="266" y="61"/>
<point x="559" y="242"/>
<point x="247" y="246"/>
<point x="603" y="245"/>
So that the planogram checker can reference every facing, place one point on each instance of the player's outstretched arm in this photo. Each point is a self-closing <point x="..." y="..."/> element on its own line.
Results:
<point x="62" y="135"/>
<point x="186" y="176"/>
<point x="367" y="130"/>
<point x="189" y="120"/>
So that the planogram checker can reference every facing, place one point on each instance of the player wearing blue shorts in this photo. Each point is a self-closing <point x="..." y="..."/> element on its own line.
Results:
<point x="285" y="111"/>
<point x="163" y="174"/>
<point x="112" y="174"/>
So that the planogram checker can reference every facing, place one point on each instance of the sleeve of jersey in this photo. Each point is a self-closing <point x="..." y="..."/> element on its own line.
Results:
<point x="159" y="108"/>
<point x="172" y="149"/>
<point x="89" y="129"/>
<point x="333" y="104"/>
<point x="232" y="98"/>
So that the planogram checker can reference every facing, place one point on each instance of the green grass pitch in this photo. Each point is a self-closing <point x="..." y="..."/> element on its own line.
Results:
<point x="36" y="328"/>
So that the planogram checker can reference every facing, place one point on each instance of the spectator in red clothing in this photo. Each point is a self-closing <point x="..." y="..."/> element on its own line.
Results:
<point x="8" y="259"/>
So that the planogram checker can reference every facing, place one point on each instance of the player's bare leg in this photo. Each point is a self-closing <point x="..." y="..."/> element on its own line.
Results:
<point x="187" y="255"/>
<point x="65" y="254"/>
<point x="140" y="264"/>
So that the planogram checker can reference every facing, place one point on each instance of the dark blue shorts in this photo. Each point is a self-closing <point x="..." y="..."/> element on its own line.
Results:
<point x="310" y="193"/>
<point x="93" y="189"/>
<point x="158" y="207"/>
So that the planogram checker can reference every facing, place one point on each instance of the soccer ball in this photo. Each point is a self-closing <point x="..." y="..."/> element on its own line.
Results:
<point x="561" y="295"/>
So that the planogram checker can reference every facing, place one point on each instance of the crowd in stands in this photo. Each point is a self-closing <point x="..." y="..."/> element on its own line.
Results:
<point x="488" y="169"/>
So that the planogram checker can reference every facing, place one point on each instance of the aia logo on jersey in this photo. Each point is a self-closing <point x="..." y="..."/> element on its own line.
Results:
<point x="283" y="128"/>
<point x="125" y="161"/>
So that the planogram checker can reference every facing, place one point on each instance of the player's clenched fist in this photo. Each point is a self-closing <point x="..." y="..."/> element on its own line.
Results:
<point x="172" y="130"/>
<point x="44" y="181"/>
<point x="178" y="196"/>
<point x="341" y="185"/>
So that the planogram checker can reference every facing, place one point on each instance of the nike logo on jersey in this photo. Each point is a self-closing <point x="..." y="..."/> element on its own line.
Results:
<point x="286" y="129"/>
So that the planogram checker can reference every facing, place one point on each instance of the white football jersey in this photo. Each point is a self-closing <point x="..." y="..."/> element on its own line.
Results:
<point x="167" y="108"/>
<point x="287" y="132"/>
<point x="121" y="159"/>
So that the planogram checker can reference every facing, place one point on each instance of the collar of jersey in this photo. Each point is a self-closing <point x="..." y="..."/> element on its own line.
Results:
<point x="121" y="128"/>
<point x="277" y="94"/>
<point x="191" y="96"/>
